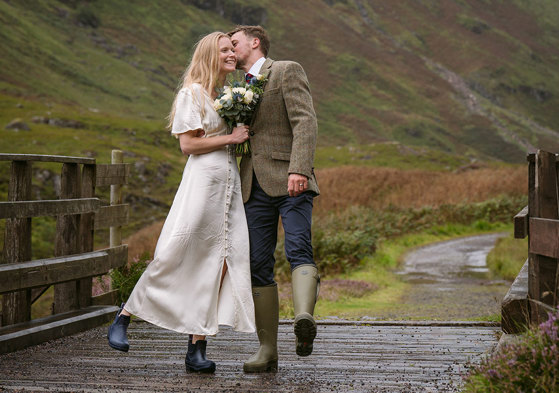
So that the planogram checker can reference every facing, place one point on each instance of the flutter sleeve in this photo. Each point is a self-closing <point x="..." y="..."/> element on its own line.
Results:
<point x="187" y="112"/>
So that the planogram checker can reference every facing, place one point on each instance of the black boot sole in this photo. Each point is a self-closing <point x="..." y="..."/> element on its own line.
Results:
<point x="305" y="331"/>
<point x="119" y="348"/>
<point x="208" y="370"/>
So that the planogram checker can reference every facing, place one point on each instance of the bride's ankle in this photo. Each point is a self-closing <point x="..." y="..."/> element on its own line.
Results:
<point x="196" y="338"/>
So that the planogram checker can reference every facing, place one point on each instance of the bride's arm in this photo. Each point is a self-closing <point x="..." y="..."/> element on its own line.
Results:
<point x="191" y="143"/>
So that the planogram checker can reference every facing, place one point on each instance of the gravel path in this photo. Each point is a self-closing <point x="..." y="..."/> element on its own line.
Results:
<point x="450" y="280"/>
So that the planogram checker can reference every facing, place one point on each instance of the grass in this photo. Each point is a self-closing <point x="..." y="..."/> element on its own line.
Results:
<point x="508" y="257"/>
<point x="387" y="154"/>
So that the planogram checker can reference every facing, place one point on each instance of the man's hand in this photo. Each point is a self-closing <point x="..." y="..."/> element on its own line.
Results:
<point x="296" y="184"/>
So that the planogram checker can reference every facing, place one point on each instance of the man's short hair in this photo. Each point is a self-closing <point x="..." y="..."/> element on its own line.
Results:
<point x="254" y="32"/>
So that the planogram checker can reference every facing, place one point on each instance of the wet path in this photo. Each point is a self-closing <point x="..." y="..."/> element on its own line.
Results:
<point x="450" y="280"/>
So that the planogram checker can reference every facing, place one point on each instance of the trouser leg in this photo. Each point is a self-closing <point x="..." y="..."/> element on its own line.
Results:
<point x="296" y="214"/>
<point x="262" y="220"/>
<point x="296" y="218"/>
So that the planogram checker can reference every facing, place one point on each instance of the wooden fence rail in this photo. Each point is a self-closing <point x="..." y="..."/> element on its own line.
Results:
<point x="79" y="213"/>
<point x="535" y="291"/>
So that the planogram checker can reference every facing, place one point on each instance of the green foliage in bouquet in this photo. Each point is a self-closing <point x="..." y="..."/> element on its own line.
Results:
<point x="237" y="103"/>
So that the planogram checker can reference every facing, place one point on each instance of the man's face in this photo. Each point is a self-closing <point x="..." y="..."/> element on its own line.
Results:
<point x="243" y="47"/>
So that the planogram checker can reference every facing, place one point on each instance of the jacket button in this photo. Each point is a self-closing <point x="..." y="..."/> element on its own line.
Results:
<point x="252" y="133"/>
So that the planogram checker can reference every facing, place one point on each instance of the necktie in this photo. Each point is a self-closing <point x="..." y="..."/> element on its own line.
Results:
<point x="248" y="77"/>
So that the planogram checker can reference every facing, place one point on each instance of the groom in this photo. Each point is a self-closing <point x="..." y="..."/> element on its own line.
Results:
<point x="277" y="179"/>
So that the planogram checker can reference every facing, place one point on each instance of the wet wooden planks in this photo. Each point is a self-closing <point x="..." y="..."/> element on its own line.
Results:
<point x="358" y="357"/>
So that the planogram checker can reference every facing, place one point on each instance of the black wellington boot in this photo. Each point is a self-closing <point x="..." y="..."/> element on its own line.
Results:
<point x="117" y="331"/>
<point x="196" y="357"/>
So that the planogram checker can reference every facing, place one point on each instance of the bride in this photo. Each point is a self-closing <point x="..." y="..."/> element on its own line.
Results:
<point x="200" y="276"/>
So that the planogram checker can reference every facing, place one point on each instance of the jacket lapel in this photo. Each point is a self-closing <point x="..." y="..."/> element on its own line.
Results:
<point x="266" y="67"/>
<point x="264" y="71"/>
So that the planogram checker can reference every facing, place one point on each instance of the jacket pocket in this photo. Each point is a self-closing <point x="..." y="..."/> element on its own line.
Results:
<point x="281" y="155"/>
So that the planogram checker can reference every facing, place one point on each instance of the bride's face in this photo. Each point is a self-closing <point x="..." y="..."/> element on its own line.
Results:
<point x="227" y="58"/>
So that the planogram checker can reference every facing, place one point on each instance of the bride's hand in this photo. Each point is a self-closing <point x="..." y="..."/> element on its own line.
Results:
<point x="239" y="135"/>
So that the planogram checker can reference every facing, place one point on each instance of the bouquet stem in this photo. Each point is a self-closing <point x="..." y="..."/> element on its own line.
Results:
<point x="243" y="148"/>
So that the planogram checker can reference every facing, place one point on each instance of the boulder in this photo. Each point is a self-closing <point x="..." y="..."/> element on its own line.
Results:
<point x="17" y="125"/>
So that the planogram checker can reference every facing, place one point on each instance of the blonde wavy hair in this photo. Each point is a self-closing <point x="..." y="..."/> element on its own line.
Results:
<point x="203" y="68"/>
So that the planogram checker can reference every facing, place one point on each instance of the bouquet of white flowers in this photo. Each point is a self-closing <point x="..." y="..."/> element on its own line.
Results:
<point x="236" y="104"/>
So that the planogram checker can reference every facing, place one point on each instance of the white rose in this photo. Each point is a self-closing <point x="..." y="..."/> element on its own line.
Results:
<point x="240" y="90"/>
<point x="248" y="97"/>
<point x="218" y="105"/>
<point x="259" y="77"/>
<point x="227" y="90"/>
<point x="227" y="97"/>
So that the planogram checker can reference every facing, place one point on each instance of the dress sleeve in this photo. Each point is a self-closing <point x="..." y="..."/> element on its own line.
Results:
<point x="187" y="112"/>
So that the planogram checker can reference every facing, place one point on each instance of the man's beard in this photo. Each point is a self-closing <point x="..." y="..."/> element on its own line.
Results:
<point x="240" y="64"/>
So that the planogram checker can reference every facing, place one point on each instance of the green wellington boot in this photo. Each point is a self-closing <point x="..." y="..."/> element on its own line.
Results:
<point x="305" y="283"/>
<point x="266" y="307"/>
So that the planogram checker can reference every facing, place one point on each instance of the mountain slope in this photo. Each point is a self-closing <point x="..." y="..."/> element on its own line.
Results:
<point x="474" y="77"/>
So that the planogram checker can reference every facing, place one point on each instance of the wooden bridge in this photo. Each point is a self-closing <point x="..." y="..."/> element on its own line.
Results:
<point x="360" y="356"/>
<point x="348" y="357"/>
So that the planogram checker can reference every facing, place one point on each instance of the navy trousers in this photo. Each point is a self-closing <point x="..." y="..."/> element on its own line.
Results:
<point x="263" y="212"/>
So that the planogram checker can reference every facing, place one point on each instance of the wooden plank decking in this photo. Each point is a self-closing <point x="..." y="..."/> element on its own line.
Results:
<point x="348" y="356"/>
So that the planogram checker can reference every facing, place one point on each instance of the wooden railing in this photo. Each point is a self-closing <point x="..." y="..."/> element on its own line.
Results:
<point x="79" y="213"/>
<point x="535" y="291"/>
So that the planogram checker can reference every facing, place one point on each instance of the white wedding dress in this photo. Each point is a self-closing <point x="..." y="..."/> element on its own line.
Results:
<point x="180" y="289"/>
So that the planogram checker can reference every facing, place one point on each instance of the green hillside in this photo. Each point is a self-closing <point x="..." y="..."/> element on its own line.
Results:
<point x="455" y="80"/>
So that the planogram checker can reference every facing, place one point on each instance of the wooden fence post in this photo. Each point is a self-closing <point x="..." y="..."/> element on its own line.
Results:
<point x="67" y="238"/>
<point x="533" y="289"/>
<point x="543" y="285"/>
<point x="86" y="236"/>
<point x="16" y="307"/>
<point x="116" y="199"/>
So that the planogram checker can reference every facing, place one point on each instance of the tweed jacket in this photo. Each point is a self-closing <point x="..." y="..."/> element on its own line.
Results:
<point x="283" y="131"/>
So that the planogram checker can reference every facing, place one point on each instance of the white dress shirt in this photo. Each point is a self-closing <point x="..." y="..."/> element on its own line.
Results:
<point x="255" y="69"/>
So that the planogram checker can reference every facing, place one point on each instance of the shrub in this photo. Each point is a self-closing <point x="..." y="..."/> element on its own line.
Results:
<point x="87" y="18"/>
<point x="124" y="278"/>
<point x="530" y="364"/>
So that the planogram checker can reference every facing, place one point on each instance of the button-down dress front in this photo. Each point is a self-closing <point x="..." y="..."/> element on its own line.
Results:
<point x="180" y="289"/>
